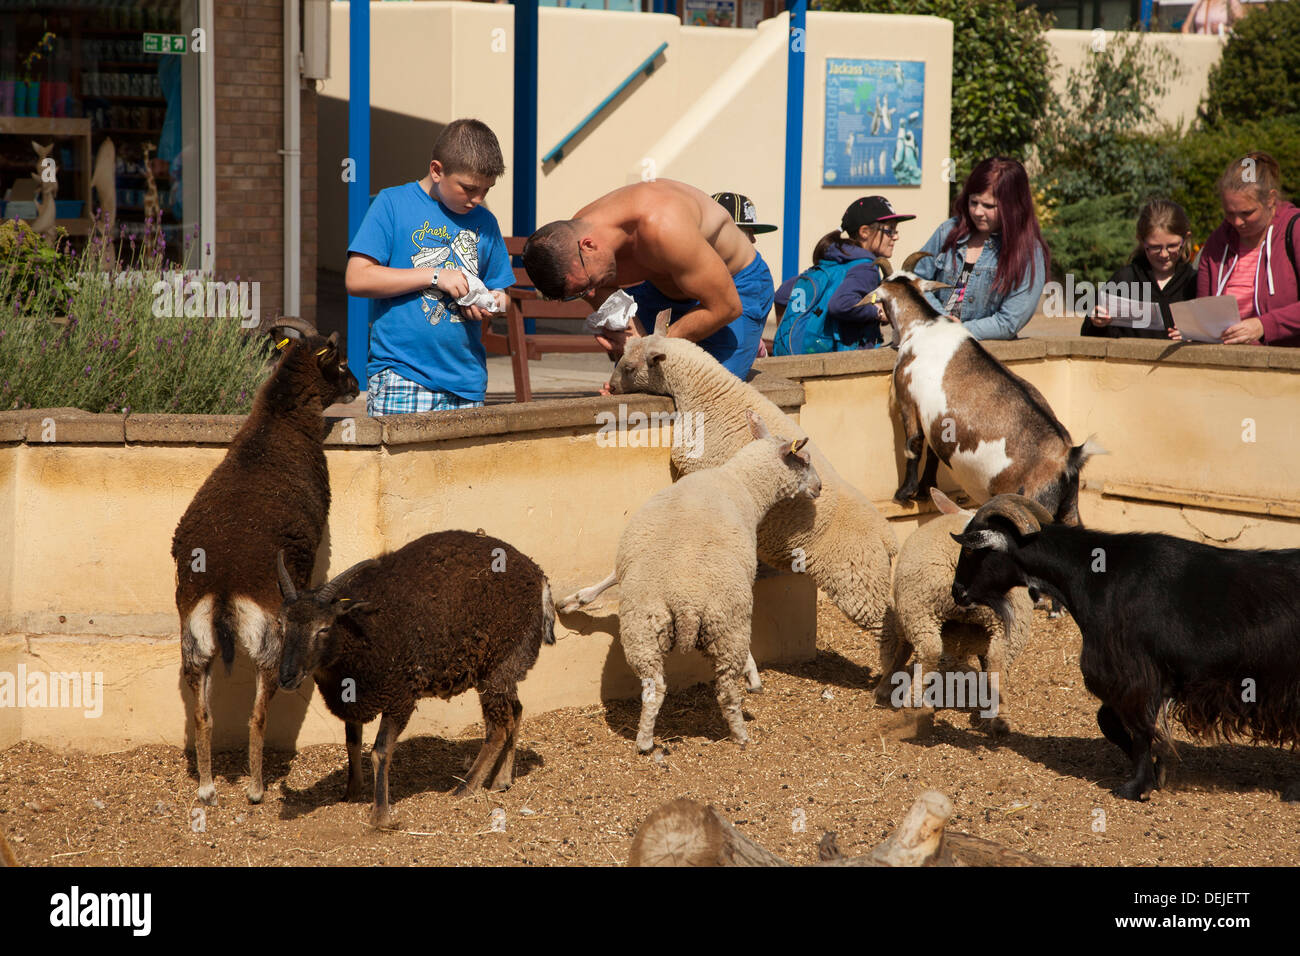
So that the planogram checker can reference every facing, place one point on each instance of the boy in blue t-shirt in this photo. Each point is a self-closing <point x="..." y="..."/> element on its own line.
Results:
<point x="423" y="247"/>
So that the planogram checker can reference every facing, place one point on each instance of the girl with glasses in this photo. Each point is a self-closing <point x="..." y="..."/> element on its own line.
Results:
<point x="1158" y="271"/>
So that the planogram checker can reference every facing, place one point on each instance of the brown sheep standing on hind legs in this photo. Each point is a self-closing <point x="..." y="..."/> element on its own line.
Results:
<point x="270" y="493"/>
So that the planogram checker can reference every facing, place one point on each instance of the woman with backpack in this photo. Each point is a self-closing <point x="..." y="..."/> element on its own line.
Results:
<point x="819" y="308"/>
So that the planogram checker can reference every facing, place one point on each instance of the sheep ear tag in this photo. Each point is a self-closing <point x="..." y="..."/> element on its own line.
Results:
<point x="661" y="321"/>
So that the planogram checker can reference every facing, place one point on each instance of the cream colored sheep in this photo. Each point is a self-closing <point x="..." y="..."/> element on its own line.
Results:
<point x="840" y="539"/>
<point x="925" y="618"/>
<point x="686" y="564"/>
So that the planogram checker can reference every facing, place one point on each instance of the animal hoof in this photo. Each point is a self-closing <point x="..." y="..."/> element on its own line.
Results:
<point x="208" y="795"/>
<point x="352" y="795"/>
<point x="644" y="745"/>
<point x="756" y="689"/>
<point x="1130" y="791"/>
<point x="381" y="819"/>
<point x="254" y="796"/>
<point x="1292" y="793"/>
<point x="998" y="727"/>
<point x="463" y="790"/>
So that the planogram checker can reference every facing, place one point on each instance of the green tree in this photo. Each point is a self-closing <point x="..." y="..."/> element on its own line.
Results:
<point x="1101" y="138"/>
<point x="1000" y="77"/>
<point x="1258" y="75"/>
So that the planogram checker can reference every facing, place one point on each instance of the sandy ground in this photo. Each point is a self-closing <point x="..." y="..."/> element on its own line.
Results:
<point x="821" y="758"/>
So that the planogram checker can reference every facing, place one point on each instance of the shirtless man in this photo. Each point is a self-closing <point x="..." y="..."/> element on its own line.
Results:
<point x="682" y="248"/>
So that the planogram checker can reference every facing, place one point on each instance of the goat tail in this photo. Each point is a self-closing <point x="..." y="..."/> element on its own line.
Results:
<point x="1080" y="454"/>
<point x="223" y="625"/>
<point x="548" y="613"/>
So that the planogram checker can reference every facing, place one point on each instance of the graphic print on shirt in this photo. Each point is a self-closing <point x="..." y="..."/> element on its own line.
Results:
<point x="460" y="252"/>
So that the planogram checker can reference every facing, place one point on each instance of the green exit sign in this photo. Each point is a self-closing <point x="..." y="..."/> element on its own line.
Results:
<point x="165" y="43"/>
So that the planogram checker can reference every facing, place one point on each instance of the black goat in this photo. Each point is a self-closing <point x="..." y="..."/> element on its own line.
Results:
<point x="1213" y="631"/>
<point x="450" y="611"/>
<point x="270" y="493"/>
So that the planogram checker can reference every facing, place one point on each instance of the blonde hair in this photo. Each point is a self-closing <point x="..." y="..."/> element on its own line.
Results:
<point x="1258" y="172"/>
<point x="1167" y="216"/>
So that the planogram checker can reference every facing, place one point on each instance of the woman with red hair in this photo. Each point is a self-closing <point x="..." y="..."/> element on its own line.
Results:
<point x="991" y="252"/>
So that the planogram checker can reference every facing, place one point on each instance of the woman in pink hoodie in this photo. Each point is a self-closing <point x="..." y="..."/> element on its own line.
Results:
<point x="1249" y="255"/>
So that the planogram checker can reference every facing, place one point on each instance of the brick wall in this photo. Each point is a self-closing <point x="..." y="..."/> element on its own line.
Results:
<point x="250" y="172"/>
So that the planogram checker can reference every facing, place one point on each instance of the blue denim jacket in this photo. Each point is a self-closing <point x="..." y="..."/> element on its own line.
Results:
<point x="984" y="313"/>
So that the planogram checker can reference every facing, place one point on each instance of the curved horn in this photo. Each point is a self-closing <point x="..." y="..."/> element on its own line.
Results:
<point x="1027" y="515"/>
<point x="913" y="259"/>
<point x="328" y="591"/>
<point x="286" y="582"/>
<point x="886" y="270"/>
<point x="293" y="322"/>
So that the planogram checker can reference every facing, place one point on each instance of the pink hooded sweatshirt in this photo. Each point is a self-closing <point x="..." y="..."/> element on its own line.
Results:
<point x="1277" y="293"/>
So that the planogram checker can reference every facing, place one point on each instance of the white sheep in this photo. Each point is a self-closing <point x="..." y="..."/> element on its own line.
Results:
<point x="840" y="539"/>
<point x="925" y="618"/>
<point x="686" y="564"/>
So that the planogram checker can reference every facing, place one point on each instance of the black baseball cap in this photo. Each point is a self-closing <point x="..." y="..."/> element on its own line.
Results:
<point x="741" y="211"/>
<point x="868" y="210"/>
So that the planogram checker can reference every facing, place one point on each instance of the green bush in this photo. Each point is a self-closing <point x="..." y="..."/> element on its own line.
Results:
<point x="1201" y="157"/>
<point x="1258" y="75"/>
<point x="1091" y="144"/>
<point x="1000" y="72"/>
<point x="113" y="353"/>
<point x="1091" y="238"/>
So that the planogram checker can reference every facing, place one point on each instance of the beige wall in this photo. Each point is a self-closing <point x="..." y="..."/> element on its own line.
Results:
<point x="1195" y="56"/>
<point x="86" y="576"/>
<point x="712" y="113"/>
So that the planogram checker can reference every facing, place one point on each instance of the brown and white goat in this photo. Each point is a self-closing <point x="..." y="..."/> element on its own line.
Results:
<point x="270" y="493"/>
<point x="993" y="429"/>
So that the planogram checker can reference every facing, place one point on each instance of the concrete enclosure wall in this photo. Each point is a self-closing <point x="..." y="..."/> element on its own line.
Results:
<point x="1202" y="442"/>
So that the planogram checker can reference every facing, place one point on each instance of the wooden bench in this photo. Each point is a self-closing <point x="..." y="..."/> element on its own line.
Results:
<point x="527" y="303"/>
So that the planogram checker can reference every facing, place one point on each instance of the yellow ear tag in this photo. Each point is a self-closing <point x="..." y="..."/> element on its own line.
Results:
<point x="323" y="351"/>
<point x="282" y="343"/>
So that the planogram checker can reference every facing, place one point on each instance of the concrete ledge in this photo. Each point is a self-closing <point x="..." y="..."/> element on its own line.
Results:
<point x="362" y="431"/>
<point x="184" y="429"/>
<point x="797" y="367"/>
<point x="1077" y="347"/>
<point x="1233" y="356"/>
<point x="1017" y="350"/>
<point x="71" y="426"/>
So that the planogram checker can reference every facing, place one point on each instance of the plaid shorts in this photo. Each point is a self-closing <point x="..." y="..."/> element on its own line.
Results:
<point x="387" y="393"/>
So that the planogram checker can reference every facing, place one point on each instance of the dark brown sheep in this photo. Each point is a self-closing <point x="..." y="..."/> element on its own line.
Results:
<point x="270" y="494"/>
<point x="449" y="611"/>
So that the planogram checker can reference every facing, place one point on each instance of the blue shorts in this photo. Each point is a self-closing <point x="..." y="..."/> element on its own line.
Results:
<point x="734" y="345"/>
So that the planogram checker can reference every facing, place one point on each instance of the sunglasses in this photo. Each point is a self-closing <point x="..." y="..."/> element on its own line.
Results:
<point x="587" y="287"/>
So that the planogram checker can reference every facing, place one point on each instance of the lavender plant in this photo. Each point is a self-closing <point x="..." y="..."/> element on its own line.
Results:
<point x="84" y="330"/>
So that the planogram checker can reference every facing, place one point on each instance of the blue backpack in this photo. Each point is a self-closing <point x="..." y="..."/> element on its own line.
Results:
<point x="805" y="328"/>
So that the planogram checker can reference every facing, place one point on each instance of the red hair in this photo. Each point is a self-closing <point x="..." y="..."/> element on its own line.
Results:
<point x="1018" y="224"/>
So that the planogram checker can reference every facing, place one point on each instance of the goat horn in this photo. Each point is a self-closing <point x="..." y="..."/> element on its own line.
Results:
<point x="910" y="262"/>
<point x="1026" y="514"/>
<point x="293" y="322"/>
<point x="286" y="582"/>
<point x="328" y="591"/>
<point x="884" y="266"/>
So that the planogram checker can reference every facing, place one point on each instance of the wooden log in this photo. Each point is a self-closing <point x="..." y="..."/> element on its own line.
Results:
<point x="7" y="857"/>
<point x="684" y="833"/>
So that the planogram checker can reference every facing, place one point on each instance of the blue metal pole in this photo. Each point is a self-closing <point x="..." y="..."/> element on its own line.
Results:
<point x="359" y="153"/>
<point x="793" y="136"/>
<point x="1146" y="14"/>
<point x="525" y="205"/>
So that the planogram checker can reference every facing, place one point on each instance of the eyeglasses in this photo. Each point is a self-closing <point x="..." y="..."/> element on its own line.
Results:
<point x="1171" y="250"/>
<point x="590" y="282"/>
<point x="890" y="231"/>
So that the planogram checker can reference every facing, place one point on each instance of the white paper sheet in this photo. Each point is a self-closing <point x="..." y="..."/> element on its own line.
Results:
<point x="1204" y="320"/>
<point x="1130" y="313"/>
